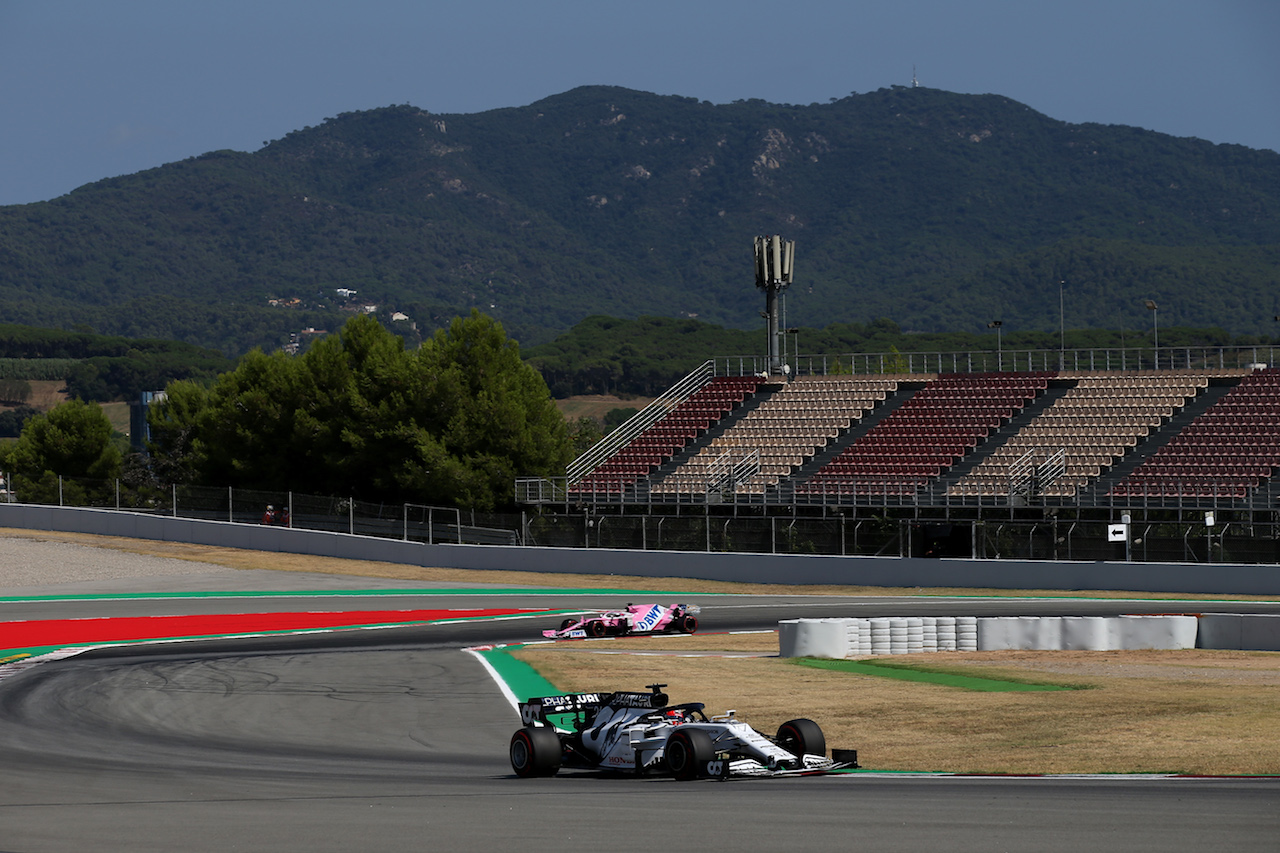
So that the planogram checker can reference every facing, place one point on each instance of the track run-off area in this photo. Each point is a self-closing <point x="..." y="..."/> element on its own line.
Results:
<point x="323" y="712"/>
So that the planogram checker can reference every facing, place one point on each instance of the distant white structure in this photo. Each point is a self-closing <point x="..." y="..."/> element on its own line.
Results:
<point x="345" y="293"/>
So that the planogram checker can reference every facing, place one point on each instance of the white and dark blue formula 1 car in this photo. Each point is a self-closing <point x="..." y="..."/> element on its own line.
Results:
<point x="641" y="733"/>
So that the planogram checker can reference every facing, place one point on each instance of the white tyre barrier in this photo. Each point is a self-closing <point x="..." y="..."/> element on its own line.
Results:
<point x="897" y="636"/>
<point x="843" y="638"/>
<point x="915" y="635"/>
<point x="880" y="636"/>
<point x="946" y="633"/>
<point x="929" y="633"/>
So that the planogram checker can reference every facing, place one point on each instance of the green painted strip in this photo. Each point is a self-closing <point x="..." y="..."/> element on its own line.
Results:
<point x="989" y="685"/>
<point x="635" y="594"/>
<point x="523" y="680"/>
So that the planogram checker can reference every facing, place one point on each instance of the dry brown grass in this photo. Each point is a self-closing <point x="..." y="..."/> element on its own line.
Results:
<point x="47" y="393"/>
<point x="597" y="405"/>
<point x="1211" y="712"/>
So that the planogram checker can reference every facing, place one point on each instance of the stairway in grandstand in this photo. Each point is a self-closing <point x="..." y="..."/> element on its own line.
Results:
<point x="785" y="489"/>
<point x="1230" y="451"/>
<point x="925" y="435"/>
<point x="650" y="438"/>
<point x="1092" y="425"/>
<point x="1156" y="440"/>
<point x="937" y="490"/>
<point x="794" y="421"/>
<point x="642" y="489"/>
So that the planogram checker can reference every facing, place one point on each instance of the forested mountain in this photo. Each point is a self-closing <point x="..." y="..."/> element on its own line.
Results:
<point x="936" y="211"/>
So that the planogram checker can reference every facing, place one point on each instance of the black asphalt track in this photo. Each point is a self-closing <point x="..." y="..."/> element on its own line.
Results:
<point x="396" y="740"/>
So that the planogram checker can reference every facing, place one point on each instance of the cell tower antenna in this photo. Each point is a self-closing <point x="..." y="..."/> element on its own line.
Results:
<point x="915" y="84"/>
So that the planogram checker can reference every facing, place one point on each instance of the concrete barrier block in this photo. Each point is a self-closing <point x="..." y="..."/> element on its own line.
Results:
<point x="1220" y="631"/>
<point x="1253" y="631"/>
<point x="1260" y="631"/>
<point x="1086" y="633"/>
<point x="998" y="633"/>
<point x="813" y="638"/>
<point x="1155" y="632"/>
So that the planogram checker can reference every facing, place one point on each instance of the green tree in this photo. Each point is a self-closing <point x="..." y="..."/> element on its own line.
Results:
<point x="454" y="422"/>
<point x="497" y="416"/>
<point x="72" y="441"/>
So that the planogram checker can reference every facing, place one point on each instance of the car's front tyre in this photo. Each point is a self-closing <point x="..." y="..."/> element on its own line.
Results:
<point x="802" y="737"/>
<point x="687" y="753"/>
<point x="535" y="751"/>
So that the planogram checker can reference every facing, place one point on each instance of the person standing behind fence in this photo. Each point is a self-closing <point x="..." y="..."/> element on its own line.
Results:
<point x="269" y="517"/>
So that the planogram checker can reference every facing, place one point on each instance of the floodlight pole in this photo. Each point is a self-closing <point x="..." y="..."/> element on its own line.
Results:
<point x="1062" y="328"/>
<point x="774" y="261"/>
<point x="1155" y="329"/>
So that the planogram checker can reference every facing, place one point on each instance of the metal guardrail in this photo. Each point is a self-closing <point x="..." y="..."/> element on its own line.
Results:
<point x="1013" y="360"/>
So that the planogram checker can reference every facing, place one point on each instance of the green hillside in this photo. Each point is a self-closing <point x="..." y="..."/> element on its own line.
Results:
<point x="936" y="211"/>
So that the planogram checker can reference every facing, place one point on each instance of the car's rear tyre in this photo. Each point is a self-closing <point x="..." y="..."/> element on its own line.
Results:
<point x="687" y="753"/>
<point x="802" y="737"/>
<point x="688" y="624"/>
<point x="595" y="628"/>
<point x="535" y="751"/>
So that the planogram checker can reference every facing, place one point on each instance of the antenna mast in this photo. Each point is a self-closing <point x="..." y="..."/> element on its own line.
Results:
<point x="775" y="259"/>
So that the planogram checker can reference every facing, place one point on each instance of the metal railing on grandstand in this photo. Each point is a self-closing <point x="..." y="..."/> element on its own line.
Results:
<point x="882" y="494"/>
<point x="407" y="521"/>
<point x="1013" y="360"/>
<point x="640" y="421"/>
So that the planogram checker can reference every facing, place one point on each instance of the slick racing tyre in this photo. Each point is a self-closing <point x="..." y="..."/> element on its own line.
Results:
<point x="802" y="737"/>
<point x="535" y="751"/>
<point x="688" y="624"/>
<point x="687" y="752"/>
<point x="595" y="628"/>
<point x="566" y="624"/>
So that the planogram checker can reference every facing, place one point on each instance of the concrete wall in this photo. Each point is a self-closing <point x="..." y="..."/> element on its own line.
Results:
<point x="1257" y="631"/>
<point x="1219" y="578"/>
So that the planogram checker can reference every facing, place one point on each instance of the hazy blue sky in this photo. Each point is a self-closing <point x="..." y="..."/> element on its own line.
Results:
<point x="95" y="88"/>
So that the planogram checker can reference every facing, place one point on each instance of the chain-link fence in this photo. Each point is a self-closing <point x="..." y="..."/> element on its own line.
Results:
<point x="1155" y="536"/>
<point x="415" y="522"/>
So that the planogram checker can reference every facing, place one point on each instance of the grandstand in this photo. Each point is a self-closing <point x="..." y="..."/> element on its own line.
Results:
<point x="939" y="454"/>
<point x="1204" y="434"/>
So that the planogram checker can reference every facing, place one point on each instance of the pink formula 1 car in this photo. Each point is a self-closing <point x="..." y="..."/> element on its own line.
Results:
<point x="634" y="619"/>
